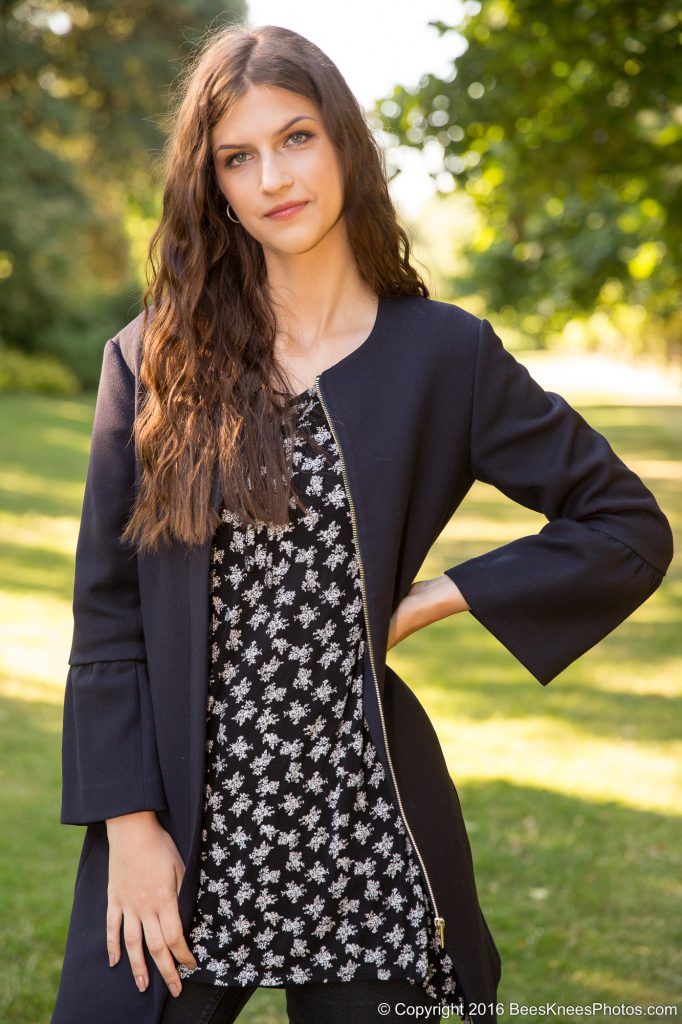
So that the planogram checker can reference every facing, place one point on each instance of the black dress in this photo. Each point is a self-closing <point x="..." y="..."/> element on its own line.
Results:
<point x="308" y="873"/>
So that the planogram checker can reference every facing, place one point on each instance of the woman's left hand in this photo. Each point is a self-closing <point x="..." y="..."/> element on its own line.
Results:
<point x="425" y="602"/>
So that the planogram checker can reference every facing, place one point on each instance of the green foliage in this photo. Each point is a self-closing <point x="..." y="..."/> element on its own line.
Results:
<point x="83" y="92"/>
<point x="21" y="372"/>
<point x="562" y="123"/>
<point x="78" y="337"/>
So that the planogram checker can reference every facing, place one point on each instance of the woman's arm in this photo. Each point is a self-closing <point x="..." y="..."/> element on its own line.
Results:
<point x="551" y="596"/>
<point x="109" y="758"/>
<point x="110" y="766"/>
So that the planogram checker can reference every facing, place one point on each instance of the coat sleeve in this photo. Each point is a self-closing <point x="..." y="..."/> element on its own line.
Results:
<point x="109" y="757"/>
<point x="551" y="596"/>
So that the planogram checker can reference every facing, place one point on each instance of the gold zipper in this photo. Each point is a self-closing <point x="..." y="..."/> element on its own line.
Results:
<point x="439" y="921"/>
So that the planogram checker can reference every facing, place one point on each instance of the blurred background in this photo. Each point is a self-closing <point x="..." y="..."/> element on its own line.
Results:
<point x="535" y="156"/>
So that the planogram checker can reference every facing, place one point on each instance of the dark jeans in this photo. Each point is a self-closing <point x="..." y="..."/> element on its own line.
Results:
<point x="333" y="1002"/>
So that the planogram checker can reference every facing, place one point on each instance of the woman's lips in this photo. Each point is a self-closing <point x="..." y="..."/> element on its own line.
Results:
<point x="290" y="211"/>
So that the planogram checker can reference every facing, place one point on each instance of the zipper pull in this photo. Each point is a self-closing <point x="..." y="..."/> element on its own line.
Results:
<point x="440" y="925"/>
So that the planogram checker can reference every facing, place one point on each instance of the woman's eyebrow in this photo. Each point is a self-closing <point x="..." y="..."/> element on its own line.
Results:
<point x="243" y="145"/>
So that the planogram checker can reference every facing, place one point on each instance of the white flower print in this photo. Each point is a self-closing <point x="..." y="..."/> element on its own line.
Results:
<point x="307" y="871"/>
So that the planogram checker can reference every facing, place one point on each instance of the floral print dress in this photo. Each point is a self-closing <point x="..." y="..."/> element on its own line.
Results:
<point x="307" y="870"/>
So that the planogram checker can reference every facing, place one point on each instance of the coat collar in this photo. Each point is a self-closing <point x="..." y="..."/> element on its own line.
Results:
<point x="339" y="374"/>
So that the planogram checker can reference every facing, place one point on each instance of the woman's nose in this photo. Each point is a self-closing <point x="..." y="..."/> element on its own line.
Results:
<point x="273" y="175"/>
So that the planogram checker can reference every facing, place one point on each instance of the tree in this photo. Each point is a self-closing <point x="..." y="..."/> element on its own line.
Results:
<point x="83" y="89"/>
<point x="562" y="122"/>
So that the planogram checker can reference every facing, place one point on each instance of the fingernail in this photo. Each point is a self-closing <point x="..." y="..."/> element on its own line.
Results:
<point x="175" y="988"/>
<point x="112" y="959"/>
<point x="141" y="982"/>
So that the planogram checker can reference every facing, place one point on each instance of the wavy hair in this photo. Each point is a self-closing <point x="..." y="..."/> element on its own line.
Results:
<point x="208" y="329"/>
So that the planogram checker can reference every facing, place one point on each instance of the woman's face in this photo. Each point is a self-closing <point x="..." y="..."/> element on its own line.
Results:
<point x="271" y="148"/>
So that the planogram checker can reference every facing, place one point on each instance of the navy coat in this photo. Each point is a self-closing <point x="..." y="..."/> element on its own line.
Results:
<point x="430" y="402"/>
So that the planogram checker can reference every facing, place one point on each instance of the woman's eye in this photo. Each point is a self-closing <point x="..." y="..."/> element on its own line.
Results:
<point x="232" y="160"/>
<point x="228" y="163"/>
<point x="305" y="135"/>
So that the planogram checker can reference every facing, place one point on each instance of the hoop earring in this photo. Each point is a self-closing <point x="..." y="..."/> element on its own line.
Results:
<point x="235" y="220"/>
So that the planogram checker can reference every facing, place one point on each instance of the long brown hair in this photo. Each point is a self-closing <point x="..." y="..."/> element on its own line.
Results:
<point x="207" y="364"/>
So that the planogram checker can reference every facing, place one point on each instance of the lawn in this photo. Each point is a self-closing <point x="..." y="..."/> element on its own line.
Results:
<point x="570" y="792"/>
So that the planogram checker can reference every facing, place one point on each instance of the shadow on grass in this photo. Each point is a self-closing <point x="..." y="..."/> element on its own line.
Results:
<point x="470" y="675"/>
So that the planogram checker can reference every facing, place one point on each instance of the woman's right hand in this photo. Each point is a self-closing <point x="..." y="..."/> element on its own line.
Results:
<point x="145" y="875"/>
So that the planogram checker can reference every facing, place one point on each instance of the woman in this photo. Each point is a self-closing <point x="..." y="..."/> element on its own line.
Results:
<point x="277" y="444"/>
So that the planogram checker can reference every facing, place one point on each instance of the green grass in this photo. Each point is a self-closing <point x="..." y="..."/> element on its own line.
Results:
<point x="571" y="792"/>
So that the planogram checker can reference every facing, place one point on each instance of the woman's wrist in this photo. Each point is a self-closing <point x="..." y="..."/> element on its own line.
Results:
<point x="436" y="598"/>
<point x="427" y="601"/>
<point x="136" y="819"/>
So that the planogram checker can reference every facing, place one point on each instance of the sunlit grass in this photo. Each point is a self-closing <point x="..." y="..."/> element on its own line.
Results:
<point x="571" y="792"/>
